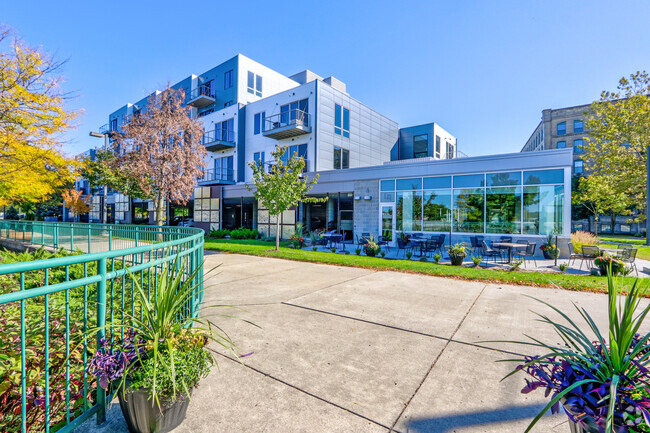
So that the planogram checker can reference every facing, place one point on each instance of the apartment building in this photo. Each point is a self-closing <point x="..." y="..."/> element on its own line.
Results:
<point x="564" y="128"/>
<point x="248" y="110"/>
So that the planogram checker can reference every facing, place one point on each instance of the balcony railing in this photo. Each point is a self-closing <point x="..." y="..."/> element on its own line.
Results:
<point x="219" y="176"/>
<point x="219" y="139"/>
<point x="287" y="124"/>
<point x="201" y="96"/>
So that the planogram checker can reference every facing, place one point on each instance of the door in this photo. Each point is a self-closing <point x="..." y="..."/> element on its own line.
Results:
<point x="388" y="222"/>
<point x="346" y="224"/>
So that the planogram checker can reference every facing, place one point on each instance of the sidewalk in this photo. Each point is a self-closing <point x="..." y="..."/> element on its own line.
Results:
<point x="354" y="350"/>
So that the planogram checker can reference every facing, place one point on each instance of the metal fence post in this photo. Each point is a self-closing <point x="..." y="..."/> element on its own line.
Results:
<point x="101" y="323"/>
<point x="71" y="238"/>
<point x="110" y="238"/>
<point x="55" y="235"/>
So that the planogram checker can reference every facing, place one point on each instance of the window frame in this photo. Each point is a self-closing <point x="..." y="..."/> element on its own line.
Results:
<point x="227" y="79"/>
<point x="557" y="128"/>
<point x="426" y="148"/>
<point x="341" y="120"/>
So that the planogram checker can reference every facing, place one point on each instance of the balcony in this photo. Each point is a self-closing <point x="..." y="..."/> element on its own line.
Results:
<point x="201" y="97"/>
<point x="217" y="177"/>
<point x="219" y="139"/>
<point x="287" y="125"/>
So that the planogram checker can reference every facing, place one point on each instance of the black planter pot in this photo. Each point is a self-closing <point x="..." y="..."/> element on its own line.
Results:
<point x="143" y="415"/>
<point x="548" y="255"/>
<point x="456" y="260"/>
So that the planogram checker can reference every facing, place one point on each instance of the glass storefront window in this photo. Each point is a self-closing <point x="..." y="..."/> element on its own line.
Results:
<point x="543" y="209"/>
<point x="504" y="179"/>
<point x="408" y="184"/>
<point x="468" y="210"/>
<point x="469" y="181"/>
<point x="437" y="211"/>
<point x="541" y="177"/>
<point x="437" y="182"/>
<point x="409" y="211"/>
<point x="503" y="206"/>
<point x="387" y="185"/>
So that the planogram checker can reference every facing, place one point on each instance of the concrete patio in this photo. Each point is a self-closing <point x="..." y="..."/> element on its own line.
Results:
<point x="539" y="264"/>
<point x="353" y="350"/>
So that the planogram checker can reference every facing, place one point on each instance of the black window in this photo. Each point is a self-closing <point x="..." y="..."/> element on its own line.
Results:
<point x="437" y="146"/>
<point x="341" y="158"/>
<point x="227" y="79"/>
<point x="259" y="122"/>
<point x="420" y="146"/>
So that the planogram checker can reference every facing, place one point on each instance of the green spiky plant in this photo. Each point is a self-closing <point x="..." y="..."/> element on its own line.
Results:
<point x="164" y="332"/>
<point x="604" y="376"/>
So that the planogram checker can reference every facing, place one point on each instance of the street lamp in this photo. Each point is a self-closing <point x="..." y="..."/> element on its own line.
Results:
<point x="105" y="136"/>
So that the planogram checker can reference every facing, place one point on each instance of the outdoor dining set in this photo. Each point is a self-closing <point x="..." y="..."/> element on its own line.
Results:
<point x="626" y="253"/>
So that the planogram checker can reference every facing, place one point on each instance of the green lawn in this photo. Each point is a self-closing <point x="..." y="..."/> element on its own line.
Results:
<point x="639" y="243"/>
<point x="266" y="249"/>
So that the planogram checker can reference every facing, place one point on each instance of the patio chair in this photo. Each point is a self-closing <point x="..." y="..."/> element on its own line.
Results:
<point x="573" y="256"/>
<point x="523" y="242"/>
<point x="431" y="246"/>
<point x="361" y="240"/>
<point x="402" y="245"/>
<point x="589" y="254"/>
<point x="527" y="254"/>
<point x="490" y="252"/>
<point x="382" y="242"/>
<point x="623" y="246"/>
<point x="441" y="238"/>
<point x="629" y="257"/>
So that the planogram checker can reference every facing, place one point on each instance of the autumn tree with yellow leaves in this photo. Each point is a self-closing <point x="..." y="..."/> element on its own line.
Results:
<point x="32" y="120"/>
<point x="74" y="201"/>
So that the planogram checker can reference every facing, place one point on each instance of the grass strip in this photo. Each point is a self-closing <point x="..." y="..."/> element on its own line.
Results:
<point x="537" y="279"/>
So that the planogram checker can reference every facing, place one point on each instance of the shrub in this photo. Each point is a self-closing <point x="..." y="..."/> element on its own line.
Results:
<point x="409" y="254"/>
<point x="333" y="249"/>
<point x="436" y="258"/>
<point x="515" y="264"/>
<point x="219" y="234"/>
<point x="563" y="267"/>
<point x="358" y="251"/>
<point x="580" y="238"/>
<point x="244" y="233"/>
<point x="477" y="260"/>
<point x="382" y="254"/>
<point x="423" y="259"/>
<point x="371" y="248"/>
<point x="314" y="248"/>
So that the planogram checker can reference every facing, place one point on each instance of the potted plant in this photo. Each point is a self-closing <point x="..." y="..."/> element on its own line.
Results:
<point x="605" y="263"/>
<point x="457" y="254"/>
<point x="161" y="355"/>
<point x="599" y="379"/>
<point x="371" y="248"/>
<point x="296" y="238"/>
<point x="549" y="249"/>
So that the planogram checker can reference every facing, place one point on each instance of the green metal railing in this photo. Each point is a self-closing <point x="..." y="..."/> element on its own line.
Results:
<point x="47" y="308"/>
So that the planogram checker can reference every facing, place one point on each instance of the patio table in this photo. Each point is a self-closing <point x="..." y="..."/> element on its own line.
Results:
<point x="418" y="242"/>
<point x="509" y="246"/>
<point x="614" y="251"/>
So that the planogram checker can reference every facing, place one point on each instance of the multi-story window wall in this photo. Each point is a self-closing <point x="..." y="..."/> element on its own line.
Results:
<point x="515" y="202"/>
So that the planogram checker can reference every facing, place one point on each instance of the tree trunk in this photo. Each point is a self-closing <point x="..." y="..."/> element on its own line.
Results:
<point x="613" y="221"/>
<point x="159" y="210"/>
<point x="277" y="234"/>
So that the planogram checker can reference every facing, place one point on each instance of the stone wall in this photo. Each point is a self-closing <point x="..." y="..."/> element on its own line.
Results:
<point x="366" y="212"/>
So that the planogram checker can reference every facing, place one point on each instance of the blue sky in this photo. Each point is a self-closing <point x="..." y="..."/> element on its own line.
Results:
<point x="483" y="70"/>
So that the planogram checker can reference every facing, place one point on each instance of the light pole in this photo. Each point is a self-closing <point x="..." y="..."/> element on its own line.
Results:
<point x="104" y="203"/>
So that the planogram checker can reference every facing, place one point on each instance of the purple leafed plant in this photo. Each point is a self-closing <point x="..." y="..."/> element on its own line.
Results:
<point x="110" y="362"/>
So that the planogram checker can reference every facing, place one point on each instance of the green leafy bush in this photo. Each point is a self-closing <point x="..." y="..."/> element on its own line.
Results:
<point x="244" y="233"/>
<point x="219" y="234"/>
<point x="477" y="260"/>
<point x="436" y="258"/>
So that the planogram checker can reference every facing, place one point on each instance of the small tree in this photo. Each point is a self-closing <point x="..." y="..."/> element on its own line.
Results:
<point x="282" y="186"/>
<point x="619" y="133"/>
<point x="598" y="196"/>
<point x="77" y="204"/>
<point x="158" y="154"/>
